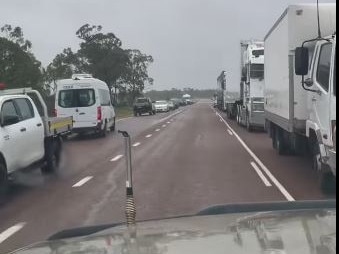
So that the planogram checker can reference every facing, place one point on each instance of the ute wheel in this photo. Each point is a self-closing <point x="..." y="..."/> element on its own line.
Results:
<point x="53" y="157"/>
<point x="103" y="132"/>
<point x="3" y="182"/>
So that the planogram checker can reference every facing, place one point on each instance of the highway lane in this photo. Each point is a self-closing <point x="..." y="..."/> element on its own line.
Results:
<point x="182" y="164"/>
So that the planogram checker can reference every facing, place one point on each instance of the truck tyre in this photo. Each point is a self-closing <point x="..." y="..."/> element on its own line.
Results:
<point x="53" y="157"/>
<point x="3" y="182"/>
<point x="279" y="142"/>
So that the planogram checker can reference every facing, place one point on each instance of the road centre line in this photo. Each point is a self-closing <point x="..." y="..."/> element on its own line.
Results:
<point x="148" y="136"/>
<point x="82" y="182"/>
<point x="261" y="175"/>
<point x="11" y="231"/>
<point x="116" y="158"/>
<point x="281" y="188"/>
<point x="136" y="144"/>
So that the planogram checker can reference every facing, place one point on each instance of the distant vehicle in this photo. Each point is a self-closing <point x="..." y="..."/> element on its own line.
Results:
<point x="161" y="106"/>
<point x="27" y="138"/>
<point x="300" y="116"/>
<point x="176" y="102"/>
<point x="172" y="105"/>
<point x="187" y="99"/>
<point x="226" y="99"/>
<point x="250" y="108"/>
<point x="88" y="101"/>
<point x="144" y="106"/>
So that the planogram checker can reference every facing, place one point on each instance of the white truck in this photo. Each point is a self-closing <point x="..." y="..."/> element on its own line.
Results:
<point x="301" y="114"/>
<point x="250" y="107"/>
<point x="28" y="139"/>
<point x="226" y="99"/>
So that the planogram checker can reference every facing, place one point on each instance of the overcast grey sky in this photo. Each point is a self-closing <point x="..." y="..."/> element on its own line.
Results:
<point x="192" y="41"/>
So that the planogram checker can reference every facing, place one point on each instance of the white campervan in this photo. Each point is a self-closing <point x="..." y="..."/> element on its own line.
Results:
<point x="88" y="101"/>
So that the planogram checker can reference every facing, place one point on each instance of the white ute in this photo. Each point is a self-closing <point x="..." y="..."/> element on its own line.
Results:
<point x="26" y="138"/>
<point x="88" y="101"/>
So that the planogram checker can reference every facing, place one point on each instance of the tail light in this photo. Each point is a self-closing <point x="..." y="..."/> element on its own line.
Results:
<point x="99" y="114"/>
<point x="55" y="113"/>
<point x="334" y="134"/>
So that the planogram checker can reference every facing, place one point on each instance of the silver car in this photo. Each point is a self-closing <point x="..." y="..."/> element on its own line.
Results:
<point x="162" y="106"/>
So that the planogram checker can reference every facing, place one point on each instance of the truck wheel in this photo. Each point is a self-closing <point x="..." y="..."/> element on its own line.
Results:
<point x="279" y="142"/>
<point x="53" y="157"/>
<point x="3" y="182"/>
<point x="328" y="183"/>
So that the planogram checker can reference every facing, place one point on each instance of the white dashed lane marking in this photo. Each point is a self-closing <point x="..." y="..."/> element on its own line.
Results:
<point x="11" y="231"/>
<point x="136" y="144"/>
<point x="148" y="136"/>
<point x="83" y="182"/>
<point x="116" y="158"/>
<point x="157" y="130"/>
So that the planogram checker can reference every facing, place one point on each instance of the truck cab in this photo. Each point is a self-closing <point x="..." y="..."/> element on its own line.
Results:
<point x="251" y="111"/>
<point x="320" y="82"/>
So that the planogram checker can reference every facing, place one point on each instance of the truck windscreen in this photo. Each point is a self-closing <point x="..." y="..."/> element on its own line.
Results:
<point x="258" y="53"/>
<point x="257" y="71"/>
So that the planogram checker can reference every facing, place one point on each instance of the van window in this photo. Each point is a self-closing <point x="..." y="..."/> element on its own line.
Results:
<point x="324" y="66"/>
<point x="105" y="97"/>
<point x="76" y="98"/>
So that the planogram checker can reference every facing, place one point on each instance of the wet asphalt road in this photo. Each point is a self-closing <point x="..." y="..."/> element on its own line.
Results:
<point x="184" y="161"/>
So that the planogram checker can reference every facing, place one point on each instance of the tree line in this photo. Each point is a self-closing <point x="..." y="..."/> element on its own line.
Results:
<point x="100" y="54"/>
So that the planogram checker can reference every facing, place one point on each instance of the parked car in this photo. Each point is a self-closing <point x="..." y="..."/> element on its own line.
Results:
<point x="161" y="106"/>
<point x="171" y="105"/>
<point x="143" y="106"/>
<point x="27" y="138"/>
<point x="176" y="103"/>
<point x="88" y="101"/>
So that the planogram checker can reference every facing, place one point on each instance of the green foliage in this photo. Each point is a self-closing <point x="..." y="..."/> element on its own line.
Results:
<point x="18" y="66"/>
<point x="101" y="54"/>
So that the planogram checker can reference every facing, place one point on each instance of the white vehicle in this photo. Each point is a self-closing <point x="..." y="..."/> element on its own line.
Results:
<point x="250" y="111"/>
<point x="226" y="100"/>
<point x="297" y="118"/>
<point x="27" y="138"/>
<point x="161" y="106"/>
<point x="88" y="101"/>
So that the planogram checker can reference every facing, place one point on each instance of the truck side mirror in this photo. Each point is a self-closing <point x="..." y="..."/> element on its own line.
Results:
<point x="301" y="61"/>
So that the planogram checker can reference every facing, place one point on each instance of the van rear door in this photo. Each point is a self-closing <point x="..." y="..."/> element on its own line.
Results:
<point x="79" y="103"/>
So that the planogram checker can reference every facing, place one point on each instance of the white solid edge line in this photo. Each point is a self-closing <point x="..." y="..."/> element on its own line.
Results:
<point x="281" y="188"/>
<point x="116" y="158"/>
<point x="230" y="132"/>
<point x="82" y="182"/>
<point x="11" y="231"/>
<point x="149" y="136"/>
<point x="136" y="144"/>
<point x="261" y="174"/>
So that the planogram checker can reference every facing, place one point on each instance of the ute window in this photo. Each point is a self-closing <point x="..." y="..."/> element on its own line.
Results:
<point x="8" y="110"/>
<point x="26" y="109"/>
<point x="76" y="98"/>
<point x="324" y="66"/>
<point x="142" y="100"/>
